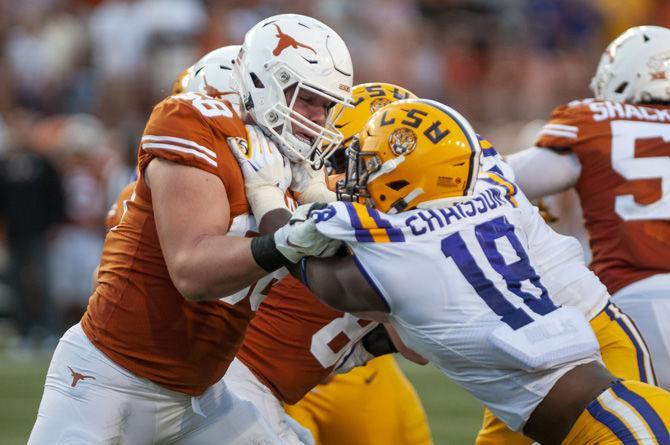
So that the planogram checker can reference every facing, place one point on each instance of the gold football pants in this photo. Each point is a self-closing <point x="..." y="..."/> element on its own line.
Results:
<point x="623" y="351"/>
<point x="371" y="404"/>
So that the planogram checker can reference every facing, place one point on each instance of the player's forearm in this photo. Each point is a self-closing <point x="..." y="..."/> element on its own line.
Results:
<point x="218" y="266"/>
<point x="541" y="172"/>
<point x="320" y="277"/>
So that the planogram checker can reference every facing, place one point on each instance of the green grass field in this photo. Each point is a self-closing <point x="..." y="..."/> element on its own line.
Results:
<point x="453" y="414"/>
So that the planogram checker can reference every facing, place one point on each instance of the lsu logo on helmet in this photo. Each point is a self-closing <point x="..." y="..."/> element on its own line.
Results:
<point x="402" y="141"/>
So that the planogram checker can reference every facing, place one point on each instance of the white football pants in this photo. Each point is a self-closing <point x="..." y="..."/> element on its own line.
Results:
<point x="89" y="399"/>
<point x="647" y="303"/>
<point x="244" y="384"/>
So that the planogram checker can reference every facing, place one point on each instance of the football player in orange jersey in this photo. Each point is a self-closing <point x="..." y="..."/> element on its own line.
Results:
<point x="146" y="361"/>
<point x="213" y="76"/>
<point x="615" y="151"/>
<point x="210" y="75"/>
<point x="295" y="342"/>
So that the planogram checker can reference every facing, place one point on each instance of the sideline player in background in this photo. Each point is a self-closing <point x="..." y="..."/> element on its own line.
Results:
<point x="485" y="269"/>
<point x="145" y="365"/>
<point x="615" y="151"/>
<point x="295" y="342"/>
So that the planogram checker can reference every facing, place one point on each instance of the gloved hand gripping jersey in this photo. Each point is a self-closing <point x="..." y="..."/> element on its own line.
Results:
<point x="295" y="240"/>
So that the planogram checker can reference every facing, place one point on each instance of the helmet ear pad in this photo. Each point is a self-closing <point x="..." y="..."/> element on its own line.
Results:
<point x="441" y="180"/>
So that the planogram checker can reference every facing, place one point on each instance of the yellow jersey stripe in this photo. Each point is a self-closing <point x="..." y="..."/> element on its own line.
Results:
<point x="379" y="235"/>
<point x="511" y="188"/>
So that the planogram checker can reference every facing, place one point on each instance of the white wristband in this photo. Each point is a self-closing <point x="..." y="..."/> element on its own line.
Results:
<point x="264" y="199"/>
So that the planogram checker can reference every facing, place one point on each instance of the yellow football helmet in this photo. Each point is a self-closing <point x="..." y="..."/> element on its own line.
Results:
<point x="366" y="99"/>
<point x="181" y="82"/>
<point x="409" y="153"/>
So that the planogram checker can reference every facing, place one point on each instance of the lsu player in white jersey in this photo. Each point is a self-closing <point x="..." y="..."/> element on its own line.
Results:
<point x="466" y="270"/>
<point x="614" y="150"/>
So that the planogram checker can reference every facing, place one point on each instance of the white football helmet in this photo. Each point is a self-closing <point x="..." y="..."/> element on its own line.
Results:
<point x="291" y="50"/>
<point x="212" y="75"/>
<point x="635" y="67"/>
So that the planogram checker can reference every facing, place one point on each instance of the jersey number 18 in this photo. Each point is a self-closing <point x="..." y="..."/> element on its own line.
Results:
<point x="514" y="274"/>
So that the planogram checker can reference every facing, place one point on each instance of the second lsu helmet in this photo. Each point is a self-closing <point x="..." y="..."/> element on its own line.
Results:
<point x="411" y="153"/>
<point x="181" y="82"/>
<point x="293" y="51"/>
<point x="366" y="99"/>
<point x="212" y="75"/>
<point x="635" y="67"/>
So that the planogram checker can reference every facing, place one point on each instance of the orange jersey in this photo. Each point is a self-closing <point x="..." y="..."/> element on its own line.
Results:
<point x="136" y="316"/>
<point x="295" y="341"/>
<point x="624" y="185"/>
<point x="115" y="213"/>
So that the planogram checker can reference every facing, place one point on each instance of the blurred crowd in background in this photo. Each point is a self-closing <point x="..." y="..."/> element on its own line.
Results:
<point x="79" y="78"/>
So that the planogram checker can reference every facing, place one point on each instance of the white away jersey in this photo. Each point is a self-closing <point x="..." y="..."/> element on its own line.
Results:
<point x="476" y="288"/>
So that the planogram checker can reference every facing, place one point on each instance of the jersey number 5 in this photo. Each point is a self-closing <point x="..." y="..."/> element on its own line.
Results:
<point x="624" y="162"/>
<point x="514" y="274"/>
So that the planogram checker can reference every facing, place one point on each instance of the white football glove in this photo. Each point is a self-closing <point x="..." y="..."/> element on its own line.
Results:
<point x="300" y="238"/>
<point x="267" y="174"/>
<point x="311" y="184"/>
